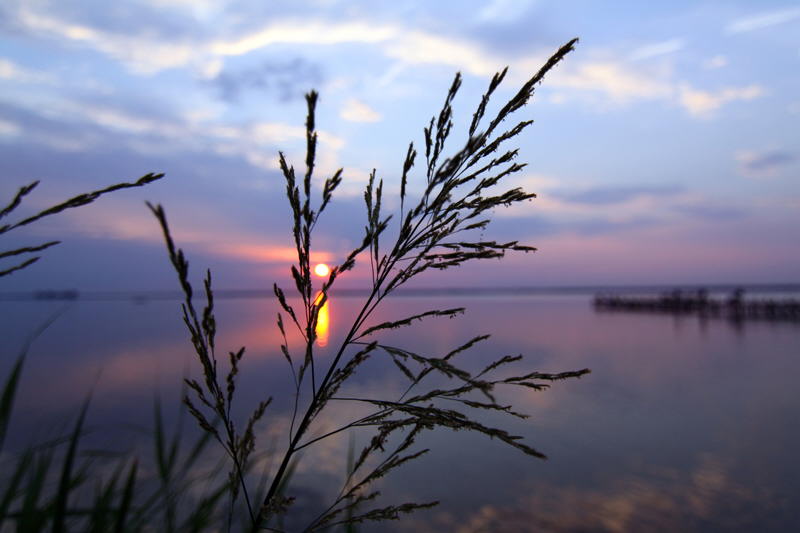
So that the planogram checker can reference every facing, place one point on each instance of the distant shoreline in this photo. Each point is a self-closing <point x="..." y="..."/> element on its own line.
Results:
<point x="587" y="290"/>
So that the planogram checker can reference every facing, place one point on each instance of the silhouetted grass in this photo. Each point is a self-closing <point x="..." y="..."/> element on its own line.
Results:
<point x="434" y="231"/>
<point x="58" y="485"/>
<point x="76" y="201"/>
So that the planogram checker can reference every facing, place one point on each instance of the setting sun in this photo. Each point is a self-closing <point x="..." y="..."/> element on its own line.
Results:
<point x="322" y="270"/>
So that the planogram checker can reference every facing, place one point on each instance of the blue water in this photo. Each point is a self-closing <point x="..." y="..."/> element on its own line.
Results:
<point x="683" y="424"/>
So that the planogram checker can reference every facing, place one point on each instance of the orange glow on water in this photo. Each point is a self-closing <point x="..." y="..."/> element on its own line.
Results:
<point x="322" y="270"/>
<point x="323" y="321"/>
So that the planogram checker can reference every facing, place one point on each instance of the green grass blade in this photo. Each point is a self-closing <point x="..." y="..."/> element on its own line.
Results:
<point x="7" y="399"/>
<point x="30" y="517"/>
<point x="12" y="382"/>
<point x="349" y="526"/>
<point x="65" y="483"/>
<point x="102" y="507"/>
<point x="127" y="497"/>
<point x="165" y="464"/>
<point x="200" y="518"/>
<point x="158" y="429"/>
<point x="23" y="464"/>
<point x="194" y="454"/>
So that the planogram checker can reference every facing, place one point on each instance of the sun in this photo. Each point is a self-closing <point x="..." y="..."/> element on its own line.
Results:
<point x="322" y="270"/>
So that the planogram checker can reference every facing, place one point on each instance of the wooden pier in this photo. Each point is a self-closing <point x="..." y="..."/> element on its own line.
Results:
<point x="734" y="307"/>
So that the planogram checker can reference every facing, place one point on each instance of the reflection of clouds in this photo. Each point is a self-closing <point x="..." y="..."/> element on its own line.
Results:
<point x="163" y="359"/>
<point x="668" y="500"/>
<point x="116" y="373"/>
<point x="323" y="465"/>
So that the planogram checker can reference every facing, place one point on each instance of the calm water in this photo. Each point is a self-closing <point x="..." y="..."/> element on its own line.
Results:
<point x="682" y="424"/>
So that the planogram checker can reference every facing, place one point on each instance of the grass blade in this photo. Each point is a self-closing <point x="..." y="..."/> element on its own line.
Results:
<point x="64" y="484"/>
<point x="127" y="497"/>
<point x="12" y="382"/>
<point x="23" y="465"/>
<point x="7" y="399"/>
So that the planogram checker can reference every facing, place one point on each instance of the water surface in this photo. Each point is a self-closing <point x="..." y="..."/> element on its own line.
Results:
<point x="683" y="424"/>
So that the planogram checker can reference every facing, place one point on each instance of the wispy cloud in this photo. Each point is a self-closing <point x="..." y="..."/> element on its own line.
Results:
<point x="11" y="71"/>
<point x="607" y="81"/>
<point x="143" y="53"/>
<point x="149" y="52"/>
<point x="657" y="49"/>
<point x="289" y="79"/>
<point x="309" y="32"/>
<point x="718" y="61"/>
<point x="8" y="128"/>
<point x="622" y="83"/>
<point x="764" y="163"/>
<point x="763" y="20"/>
<point x="420" y="48"/>
<point x="612" y="79"/>
<point x="703" y="103"/>
<point x="504" y="10"/>
<point x="148" y="133"/>
<point x="618" y="195"/>
<point x="411" y="46"/>
<point x="357" y="111"/>
<point x="710" y="211"/>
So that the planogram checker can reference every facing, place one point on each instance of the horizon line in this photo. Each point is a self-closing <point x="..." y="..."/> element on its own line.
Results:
<point x="167" y="294"/>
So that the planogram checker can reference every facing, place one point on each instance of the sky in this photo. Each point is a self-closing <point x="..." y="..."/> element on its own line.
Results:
<point x="665" y="148"/>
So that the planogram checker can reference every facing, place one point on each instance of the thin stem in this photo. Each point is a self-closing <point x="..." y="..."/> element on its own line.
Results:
<point x="308" y="416"/>
<point x="239" y="471"/>
<point x="355" y="423"/>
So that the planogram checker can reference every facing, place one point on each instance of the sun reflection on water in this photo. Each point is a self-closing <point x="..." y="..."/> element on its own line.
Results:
<point x="323" y="322"/>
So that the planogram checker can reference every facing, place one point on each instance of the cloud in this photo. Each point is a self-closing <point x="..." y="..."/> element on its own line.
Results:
<point x="8" y="128"/>
<point x="307" y="32"/>
<point x="764" y="163"/>
<point x="763" y="20"/>
<point x="718" y="61"/>
<point x="203" y="10"/>
<point x="608" y="79"/>
<point x="617" y="195"/>
<point x="710" y="212"/>
<point x="504" y="10"/>
<point x="261" y="253"/>
<point x="396" y="41"/>
<point x="12" y="72"/>
<point x="657" y="49"/>
<point x="81" y="124"/>
<point x="703" y="103"/>
<point x="149" y="52"/>
<point x="141" y="52"/>
<point x="617" y="82"/>
<point x="289" y="79"/>
<point x="602" y="80"/>
<point x="357" y="111"/>
<point x="421" y="48"/>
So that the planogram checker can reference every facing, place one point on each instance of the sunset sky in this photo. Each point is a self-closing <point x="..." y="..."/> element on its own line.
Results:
<point x="666" y="148"/>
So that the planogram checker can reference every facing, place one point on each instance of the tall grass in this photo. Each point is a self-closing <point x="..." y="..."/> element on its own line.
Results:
<point x="59" y="485"/>
<point x="436" y="229"/>
<point x="76" y="201"/>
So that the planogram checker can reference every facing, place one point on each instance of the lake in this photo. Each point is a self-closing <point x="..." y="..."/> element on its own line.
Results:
<point x="683" y="424"/>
